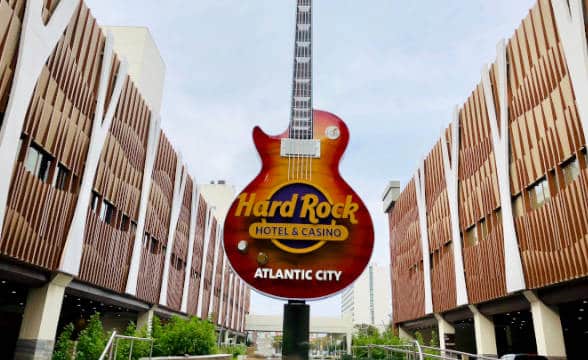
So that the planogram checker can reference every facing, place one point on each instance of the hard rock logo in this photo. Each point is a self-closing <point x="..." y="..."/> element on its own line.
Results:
<point x="298" y="217"/>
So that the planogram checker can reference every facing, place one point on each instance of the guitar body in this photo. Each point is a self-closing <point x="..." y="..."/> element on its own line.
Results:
<point x="298" y="230"/>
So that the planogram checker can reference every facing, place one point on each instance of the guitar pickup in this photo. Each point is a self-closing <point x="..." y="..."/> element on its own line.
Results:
<point x="300" y="147"/>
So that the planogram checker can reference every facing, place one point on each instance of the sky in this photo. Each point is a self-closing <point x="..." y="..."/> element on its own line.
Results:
<point x="392" y="70"/>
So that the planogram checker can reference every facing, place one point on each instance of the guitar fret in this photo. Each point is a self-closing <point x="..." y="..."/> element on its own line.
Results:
<point x="301" y="125"/>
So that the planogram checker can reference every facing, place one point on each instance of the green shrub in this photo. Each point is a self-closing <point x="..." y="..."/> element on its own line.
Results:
<point x="234" y="350"/>
<point x="140" y="348"/>
<point x="180" y="337"/>
<point x="372" y="337"/>
<point x="64" y="346"/>
<point x="92" y="340"/>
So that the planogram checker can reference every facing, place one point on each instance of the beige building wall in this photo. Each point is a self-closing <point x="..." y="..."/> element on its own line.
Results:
<point x="146" y="66"/>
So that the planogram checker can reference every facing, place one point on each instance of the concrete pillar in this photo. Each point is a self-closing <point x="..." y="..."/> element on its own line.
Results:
<point x="145" y="319"/>
<point x="348" y="338"/>
<point x="39" y="322"/>
<point x="444" y="328"/>
<point x="404" y="334"/>
<point x="485" y="333"/>
<point x="547" y="327"/>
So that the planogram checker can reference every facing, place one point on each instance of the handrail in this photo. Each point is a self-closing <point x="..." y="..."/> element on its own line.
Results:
<point x="108" y="345"/>
<point x="418" y="349"/>
<point x="111" y="342"/>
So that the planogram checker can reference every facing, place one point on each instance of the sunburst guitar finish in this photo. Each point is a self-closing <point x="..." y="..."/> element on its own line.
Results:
<point x="298" y="230"/>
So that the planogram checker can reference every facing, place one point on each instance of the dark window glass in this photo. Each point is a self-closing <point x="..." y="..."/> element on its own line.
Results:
<point x="124" y="224"/>
<point x="38" y="162"/>
<point x="61" y="176"/>
<point x="107" y="212"/>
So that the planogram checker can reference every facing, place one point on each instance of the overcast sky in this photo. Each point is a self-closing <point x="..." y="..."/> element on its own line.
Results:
<point x="393" y="70"/>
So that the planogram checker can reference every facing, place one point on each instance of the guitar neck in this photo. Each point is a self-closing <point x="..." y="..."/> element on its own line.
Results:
<point x="301" y="124"/>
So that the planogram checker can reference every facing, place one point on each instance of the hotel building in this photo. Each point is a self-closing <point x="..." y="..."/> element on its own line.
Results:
<point x="488" y="240"/>
<point x="367" y="301"/>
<point x="97" y="209"/>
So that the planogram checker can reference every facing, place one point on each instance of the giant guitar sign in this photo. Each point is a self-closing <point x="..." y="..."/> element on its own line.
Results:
<point x="298" y="230"/>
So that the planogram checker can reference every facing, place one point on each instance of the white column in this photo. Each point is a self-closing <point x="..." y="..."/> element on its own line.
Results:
<point x="513" y="267"/>
<point x="572" y="35"/>
<point x="39" y="322"/>
<point x="348" y="338"/>
<point x="145" y="320"/>
<point x="151" y="153"/>
<point x="176" y="208"/>
<point x="419" y="180"/>
<point x="444" y="328"/>
<point x="484" y="333"/>
<point x="451" y="167"/>
<point x="227" y="319"/>
<point x="206" y="240"/>
<point x="72" y="252"/>
<point x="192" y="236"/>
<point x="547" y="327"/>
<point x="37" y="42"/>
<point x="404" y="334"/>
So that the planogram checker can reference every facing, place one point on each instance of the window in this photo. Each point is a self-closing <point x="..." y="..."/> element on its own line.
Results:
<point x="471" y="236"/>
<point x="38" y="162"/>
<point x="107" y="212"/>
<point x="133" y="227"/>
<point x="146" y="238"/>
<point x="570" y="170"/>
<point x="124" y="223"/>
<point x="153" y="247"/>
<point x="539" y="193"/>
<point x="95" y="201"/>
<point x="60" y="178"/>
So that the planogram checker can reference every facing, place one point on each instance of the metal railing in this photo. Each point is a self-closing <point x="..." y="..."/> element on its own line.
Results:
<point x="111" y="349"/>
<point x="414" y="351"/>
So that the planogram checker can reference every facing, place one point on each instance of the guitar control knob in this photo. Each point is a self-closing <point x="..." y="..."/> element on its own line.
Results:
<point x="332" y="132"/>
<point x="262" y="258"/>
<point x="242" y="246"/>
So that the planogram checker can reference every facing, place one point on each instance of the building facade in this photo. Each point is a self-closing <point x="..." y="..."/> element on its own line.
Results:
<point x="488" y="239"/>
<point x="368" y="300"/>
<point x="97" y="209"/>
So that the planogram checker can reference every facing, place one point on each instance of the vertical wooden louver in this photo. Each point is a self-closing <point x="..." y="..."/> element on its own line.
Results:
<point x="57" y="126"/>
<point x="177" y="269"/>
<point x="157" y="223"/>
<point x="479" y="203"/>
<point x="439" y="227"/>
<point x="218" y="278"/>
<point x="546" y="139"/>
<point x="407" y="265"/>
<point x="108" y="242"/>
<point x="197" y="254"/>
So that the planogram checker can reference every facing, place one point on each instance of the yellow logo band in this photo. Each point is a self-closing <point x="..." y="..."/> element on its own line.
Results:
<point x="287" y="231"/>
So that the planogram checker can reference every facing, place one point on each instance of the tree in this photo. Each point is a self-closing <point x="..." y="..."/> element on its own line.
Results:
<point x="277" y="343"/>
<point x="92" y="340"/>
<point x="180" y="337"/>
<point x="64" y="346"/>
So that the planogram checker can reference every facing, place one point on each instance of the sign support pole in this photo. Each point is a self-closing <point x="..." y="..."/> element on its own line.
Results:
<point x="295" y="330"/>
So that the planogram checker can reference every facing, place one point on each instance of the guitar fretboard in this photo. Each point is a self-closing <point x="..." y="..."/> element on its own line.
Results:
<point x="301" y="109"/>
